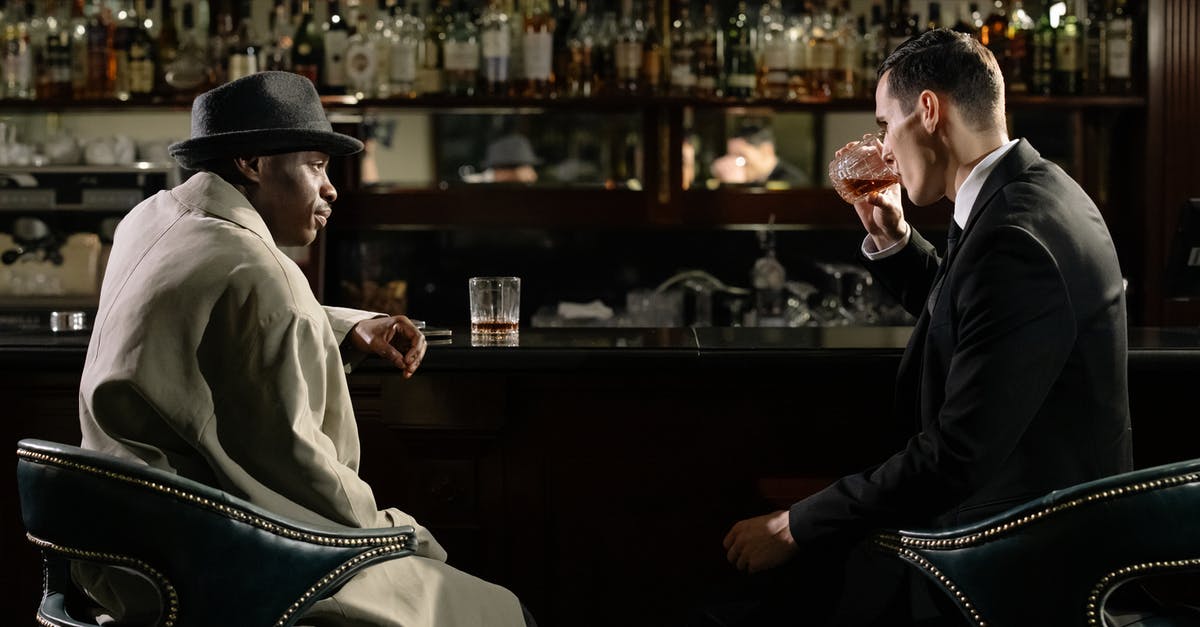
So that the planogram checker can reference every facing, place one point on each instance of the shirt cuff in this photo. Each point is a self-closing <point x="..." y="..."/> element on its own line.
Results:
<point x="870" y="252"/>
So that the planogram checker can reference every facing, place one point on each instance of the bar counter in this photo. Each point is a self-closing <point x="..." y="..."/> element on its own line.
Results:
<point x="555" y="349"/>
<point x="600" y="468"/>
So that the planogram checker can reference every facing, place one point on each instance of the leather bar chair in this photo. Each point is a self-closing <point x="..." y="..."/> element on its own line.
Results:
<point x="214" y="559"/>
<point x="1057" y="560"/>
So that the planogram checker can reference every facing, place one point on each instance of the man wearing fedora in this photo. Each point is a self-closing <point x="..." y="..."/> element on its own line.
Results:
<point x="212" y="358"/>
<point x="509" y="159"/>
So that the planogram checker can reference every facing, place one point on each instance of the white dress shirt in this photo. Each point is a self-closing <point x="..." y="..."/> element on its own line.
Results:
<point x="968" y="192"/>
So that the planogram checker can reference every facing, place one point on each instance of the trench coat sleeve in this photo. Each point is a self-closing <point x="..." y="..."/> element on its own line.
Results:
<point x="343" y="319"/>
<point x="299" y="403"/>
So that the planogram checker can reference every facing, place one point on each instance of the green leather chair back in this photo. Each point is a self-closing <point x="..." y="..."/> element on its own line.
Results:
<point x="1055" y="561"/>
<point x="215" y="559"/>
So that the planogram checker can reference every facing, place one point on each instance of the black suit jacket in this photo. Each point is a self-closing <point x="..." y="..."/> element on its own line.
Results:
<point x="1014" y="379"/>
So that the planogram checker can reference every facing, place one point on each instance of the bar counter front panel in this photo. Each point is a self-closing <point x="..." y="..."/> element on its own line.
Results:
<point x="595" y="471"/>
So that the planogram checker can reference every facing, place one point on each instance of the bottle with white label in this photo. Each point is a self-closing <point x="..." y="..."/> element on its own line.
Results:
<point x="362" y="62"/>
<point x="630" y="34"/>
<point x="537" y="48"/>
<point x="462" y="54"/>
<point x="1120" y="35"/>
<point x="408" y="35"/>
<point x="497" y="49"/>
<point x="337" y="38"/>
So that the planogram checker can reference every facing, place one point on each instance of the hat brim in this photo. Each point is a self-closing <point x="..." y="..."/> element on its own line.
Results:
<point x="191" y="153"/>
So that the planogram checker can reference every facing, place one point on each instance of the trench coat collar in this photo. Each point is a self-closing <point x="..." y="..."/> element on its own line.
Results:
<point x="206" y="192"/>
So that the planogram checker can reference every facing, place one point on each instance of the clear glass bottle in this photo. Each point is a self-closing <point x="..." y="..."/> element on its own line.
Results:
<point x="362" y="64"/>
<point x="849" y="44"/>
<point x="190" y="71"/>
<point x="683" y="72"/>
<point x="382" y="38"/>
<point x="18" y="58"/>
<point x="799" y="40"/>
<point x="741" y="71"/>
<point x="409" y="36"/>
<point x="604" y="55"/>
<point x="823" y="55"/>
<point x="496" y="35"/>
<point x="167" y="46"/>
<point x="628" y="49"/>
<point x="773" y="81"/>
<point x="431" y="78"/>
<point x="537" y="50"/>
<point x="462" y="54"/>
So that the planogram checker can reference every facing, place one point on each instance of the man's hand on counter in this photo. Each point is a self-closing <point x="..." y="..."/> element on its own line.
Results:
<point x="760" y="543"/>
<point x="395" y="338"/>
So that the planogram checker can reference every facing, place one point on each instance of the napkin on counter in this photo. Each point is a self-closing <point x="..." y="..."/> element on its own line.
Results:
<point x="595" y="310"/>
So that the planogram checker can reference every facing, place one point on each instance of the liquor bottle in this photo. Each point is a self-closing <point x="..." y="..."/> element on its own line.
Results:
<point x="58" y="55"/>
<point x="994" y="36"/>
<point x="79" y="50"/>
<point x="1042" y="79"/>
<point x="1068" y="57"/>
<point x="898" y="27"/>
<point x="1095" y="64"/>
<point x="462" y="54"/>
<point x="604" y="55"/>
<point x="682" y="74"/>
<point x="704" y="45"/>
<point x="652" y="56"/>
<point x="849" y="43"/>
<point x="278" y="53"/>
<point x="221" y="42"/>
<point x="741" y="69"/>
<point x="409" y="33"/>
<point x="167" y="45"/>
<point x="142" y="58"/>
<point x="190" y="71"/>
<point x="36" y="29"/>
<point x="1120" y="48"/>
<point x="799" y="45"/>
<point x="497" y="49"/>
<point x="243" y="47"/>
<point x="564" y="21"/>
<point x="773" y="82"/>
<point x="823" y="55"/>
<point x="1020" y="49"/>
<point x="308" y="47"/>
<point x="431" y="77"/>
<point x="362" y="62"/>
<point x="873" y="52"/>
<point x="102" y="64"/>
<point x="628" y="48"/>
<point x="537" y="50"/>
<point x="18" y="58"/>
<point x="337" y="37"/>
<point x="382" y="39"/>
<point x="579" y="78"/>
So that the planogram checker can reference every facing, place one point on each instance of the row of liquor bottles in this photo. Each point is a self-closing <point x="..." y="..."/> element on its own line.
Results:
<point x="781" y="49"/>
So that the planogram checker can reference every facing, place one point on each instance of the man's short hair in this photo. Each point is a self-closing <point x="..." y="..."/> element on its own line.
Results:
<point x="950" y="63"/>
<point x="755" y="135"/>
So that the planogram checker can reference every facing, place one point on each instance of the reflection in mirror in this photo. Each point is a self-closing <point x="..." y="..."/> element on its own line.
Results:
<point x="444" y="149"/>
<point x="759" y="148"/>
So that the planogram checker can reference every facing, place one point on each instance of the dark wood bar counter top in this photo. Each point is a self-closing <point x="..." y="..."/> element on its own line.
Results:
<point x="600" y="468"/>
<point x="637" y="348"/>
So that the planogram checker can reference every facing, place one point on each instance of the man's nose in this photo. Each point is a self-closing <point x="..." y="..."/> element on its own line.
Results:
<point x="328" y="192"/>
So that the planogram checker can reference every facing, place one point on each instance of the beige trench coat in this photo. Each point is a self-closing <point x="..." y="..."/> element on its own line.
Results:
<point x="212" y="358"/>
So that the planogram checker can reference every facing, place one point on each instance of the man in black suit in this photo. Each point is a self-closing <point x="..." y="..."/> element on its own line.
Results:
<point x="1014" y="378"/>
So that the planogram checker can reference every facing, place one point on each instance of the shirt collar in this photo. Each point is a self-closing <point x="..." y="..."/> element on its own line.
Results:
<point x="206" y="192"/>
<point x="968" y="192"/>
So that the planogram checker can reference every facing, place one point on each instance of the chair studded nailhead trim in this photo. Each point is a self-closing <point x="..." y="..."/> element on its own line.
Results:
<point x="242" y="515"/>
<point x="164" y="584"/>
<point x="974" y="538"/>
<point x="959" y="596"/>
<point x="334" y="574"/>
<point x="1129" y="572"/>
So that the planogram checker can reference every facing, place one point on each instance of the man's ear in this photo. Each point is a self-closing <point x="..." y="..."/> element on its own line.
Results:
<point x="929" y="107"/>
<point x="250" y="168"/>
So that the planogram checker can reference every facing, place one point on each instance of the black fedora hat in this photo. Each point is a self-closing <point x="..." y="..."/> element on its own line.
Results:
<point x="262" y="114"/>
